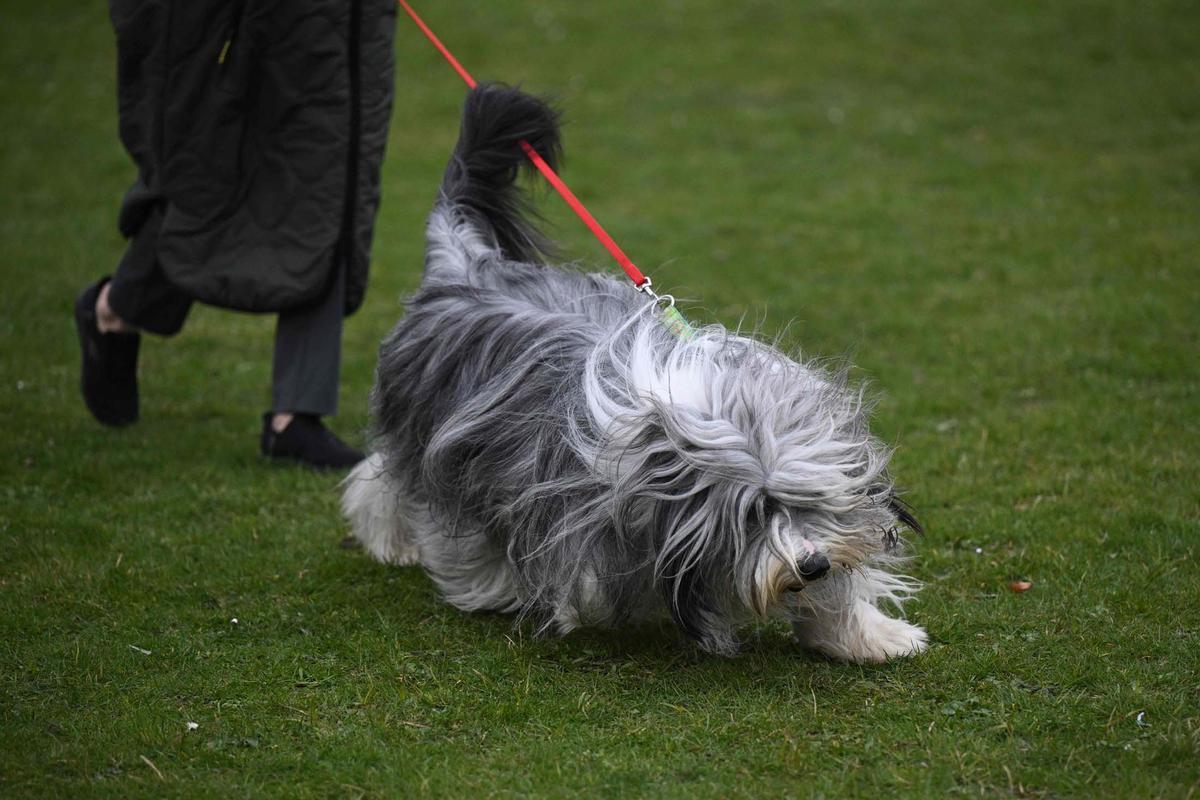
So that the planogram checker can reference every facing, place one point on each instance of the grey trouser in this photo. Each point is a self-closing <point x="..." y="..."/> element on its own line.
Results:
<point x="308" y="340"/>
<point x="308" y="354"/>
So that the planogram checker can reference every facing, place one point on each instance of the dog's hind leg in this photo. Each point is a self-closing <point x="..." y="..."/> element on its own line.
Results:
<point x="377" y="510"/>
<point x="840" y="617"/>
<point x="472" y="574"/>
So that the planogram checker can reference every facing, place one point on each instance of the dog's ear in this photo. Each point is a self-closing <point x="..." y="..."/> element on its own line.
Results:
<point x="685" y="598"/>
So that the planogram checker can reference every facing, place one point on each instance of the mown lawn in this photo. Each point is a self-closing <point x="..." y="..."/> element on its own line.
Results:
<point x="992" y="207"/>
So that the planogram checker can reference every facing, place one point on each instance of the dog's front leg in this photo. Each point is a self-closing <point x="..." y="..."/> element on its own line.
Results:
<point x="839" y="617"/>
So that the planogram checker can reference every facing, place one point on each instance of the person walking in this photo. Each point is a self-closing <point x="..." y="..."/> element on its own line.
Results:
<point x="258" y="131"/>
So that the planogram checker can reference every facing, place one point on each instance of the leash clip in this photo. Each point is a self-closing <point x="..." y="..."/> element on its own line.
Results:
<point x="646" y="287"/>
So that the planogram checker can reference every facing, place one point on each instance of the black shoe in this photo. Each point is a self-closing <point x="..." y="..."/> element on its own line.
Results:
<point x="308" y="441"/>
<point x="109" y="373"/>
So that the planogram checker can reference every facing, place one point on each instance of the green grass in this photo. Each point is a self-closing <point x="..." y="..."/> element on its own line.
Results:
<point x="992" y="207"/>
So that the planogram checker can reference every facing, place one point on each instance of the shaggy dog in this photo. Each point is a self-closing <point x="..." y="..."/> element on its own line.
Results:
<point x="545" y="445"/>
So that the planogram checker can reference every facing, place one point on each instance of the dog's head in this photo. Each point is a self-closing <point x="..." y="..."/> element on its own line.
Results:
<point x="756" y="474"/>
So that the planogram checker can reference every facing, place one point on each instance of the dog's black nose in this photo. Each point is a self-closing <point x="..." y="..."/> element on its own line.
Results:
<point x="814" y="567"/>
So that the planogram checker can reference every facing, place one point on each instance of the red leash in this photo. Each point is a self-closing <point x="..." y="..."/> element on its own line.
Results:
<point x="635" y="274"/>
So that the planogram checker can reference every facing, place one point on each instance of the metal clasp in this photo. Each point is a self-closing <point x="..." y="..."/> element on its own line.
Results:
<point x="647" y="288"/>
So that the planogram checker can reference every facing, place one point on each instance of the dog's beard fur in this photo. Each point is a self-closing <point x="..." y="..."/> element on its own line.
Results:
<point x="545" y="446"/>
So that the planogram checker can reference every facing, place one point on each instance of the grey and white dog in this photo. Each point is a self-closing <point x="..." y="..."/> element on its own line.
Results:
<point x="544" y="445"/>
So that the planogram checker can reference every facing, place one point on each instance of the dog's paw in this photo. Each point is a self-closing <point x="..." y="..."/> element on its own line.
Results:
<point x="400" y="554"/>
<point x="867" y="636"/>
<point x="888" y="638"/>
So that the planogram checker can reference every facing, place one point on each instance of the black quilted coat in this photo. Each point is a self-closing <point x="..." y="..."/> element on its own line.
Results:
<point x="258" y="129"/>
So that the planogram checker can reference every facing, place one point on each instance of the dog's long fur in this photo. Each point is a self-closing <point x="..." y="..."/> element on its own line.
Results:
<point x="544" y="445"/>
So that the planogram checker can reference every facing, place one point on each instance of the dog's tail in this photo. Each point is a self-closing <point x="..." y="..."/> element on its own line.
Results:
<point x="481" y="176"/>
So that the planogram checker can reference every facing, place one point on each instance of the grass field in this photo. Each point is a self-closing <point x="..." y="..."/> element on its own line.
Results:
<point x="993" y="208"/>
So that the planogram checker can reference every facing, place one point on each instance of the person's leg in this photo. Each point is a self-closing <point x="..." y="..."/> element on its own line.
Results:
<point x="110" y="312"/>
<point x="304" y="383"/>
<point x="308" y="355"/>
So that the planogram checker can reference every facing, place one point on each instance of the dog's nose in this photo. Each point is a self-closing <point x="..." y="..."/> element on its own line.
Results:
<point x="814" y="567"/>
